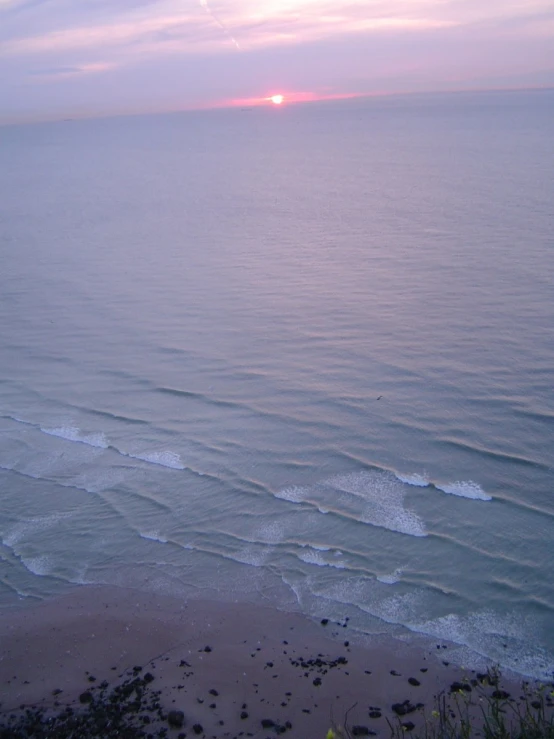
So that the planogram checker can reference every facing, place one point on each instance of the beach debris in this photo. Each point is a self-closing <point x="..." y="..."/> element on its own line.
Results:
<point x="402" y="709"/>
<point x="176" y="719"/>
<point x="362" y="731"/>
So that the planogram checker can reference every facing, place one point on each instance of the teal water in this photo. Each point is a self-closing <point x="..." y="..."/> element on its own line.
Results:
<point x="300" y="356"/>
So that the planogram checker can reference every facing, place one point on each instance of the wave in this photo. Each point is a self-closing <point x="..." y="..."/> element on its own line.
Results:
<point x="313" y="557"/>
<point x="514" y="640"/>
<point x="163" y="458"/>
<point x="72" y="433"/>
<point x="418" y="481"/>
<point x="374" y="497"/>
<point x="463" y="489"/>
<point x="153" y="536"/>
<point x="31" y="526"/>
<point x="40" y="566"/>
<point x="392" y="577"/>
<point x="503" y="638"/>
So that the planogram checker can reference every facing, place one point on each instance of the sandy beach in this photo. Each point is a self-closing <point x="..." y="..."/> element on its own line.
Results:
<point x="224" y="670"/>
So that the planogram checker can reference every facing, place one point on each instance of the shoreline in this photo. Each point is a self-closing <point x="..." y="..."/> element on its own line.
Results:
<point x="228" y="667"/>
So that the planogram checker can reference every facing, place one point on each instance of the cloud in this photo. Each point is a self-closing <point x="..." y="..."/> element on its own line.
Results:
<point x="183" y="53"/>
<point x="259" y="23"/>
<point x="92" y="68"/>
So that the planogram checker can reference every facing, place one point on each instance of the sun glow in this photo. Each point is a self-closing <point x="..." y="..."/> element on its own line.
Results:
<point x="277" y="99"/>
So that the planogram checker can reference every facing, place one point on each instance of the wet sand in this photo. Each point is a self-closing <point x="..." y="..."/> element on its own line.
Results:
<point x="232" y="669"/>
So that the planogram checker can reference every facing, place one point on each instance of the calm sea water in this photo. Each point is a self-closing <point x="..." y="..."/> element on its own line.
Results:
<point x="299" y="356"/>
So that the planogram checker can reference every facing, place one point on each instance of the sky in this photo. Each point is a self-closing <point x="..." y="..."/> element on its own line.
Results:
<point x="64" y="58"/>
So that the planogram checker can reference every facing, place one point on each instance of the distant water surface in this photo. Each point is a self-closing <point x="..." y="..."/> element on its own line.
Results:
<point x="300" y="356"/>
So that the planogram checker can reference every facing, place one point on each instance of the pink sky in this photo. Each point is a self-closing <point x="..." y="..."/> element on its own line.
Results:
<point x="96" y="57"/>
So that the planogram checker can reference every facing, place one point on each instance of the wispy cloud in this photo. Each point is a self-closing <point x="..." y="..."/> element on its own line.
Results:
<point x="216" y="25"/>
<point x="83" y="69"/>
<point x="214" y="50"/>
<point x="250" y="24"/>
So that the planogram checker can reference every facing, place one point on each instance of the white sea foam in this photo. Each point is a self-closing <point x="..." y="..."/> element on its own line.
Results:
<point x="418" y="481"/>
<point x="27" y="528"/>
<point x="252" y="555"/>
<point x="319" y="548"/>
<point x="72" y="433"/>
<point x="293" y="494"/>
<point x="153" y="536"/>
<point x="312" y="557"/>
<point x="163" y="458"/>
<point x="270" y="533"/>
<point x="374" y="497"/>
<point x="40" y="566"/>
<point x="392" y="577"/>
<point x="384" y="499"/>
<point x="510" y="639"/>
<point x="467" y="489"/>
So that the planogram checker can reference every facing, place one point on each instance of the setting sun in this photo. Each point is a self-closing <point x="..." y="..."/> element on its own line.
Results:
<point x="277" y="99"/>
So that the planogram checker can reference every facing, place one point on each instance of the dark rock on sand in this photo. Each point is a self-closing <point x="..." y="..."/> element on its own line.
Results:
<point x="375" y="714"/>
<point x="176" y="719"/>
<point x="457" y="687"/>
<point x="413" y="681"/>
<point x="362" y="731"/>
<point x="85" y="697"/>
<point x="243" y="715"/>
<point x="198" y="729"/>
<point x="267" y="723"/>
<point x="402" y="709"/>
<point x="408" y="726"/>
<point x="500" y="695"/>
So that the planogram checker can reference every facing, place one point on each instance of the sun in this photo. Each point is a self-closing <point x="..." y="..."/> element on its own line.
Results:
<point x="277" y="99"/>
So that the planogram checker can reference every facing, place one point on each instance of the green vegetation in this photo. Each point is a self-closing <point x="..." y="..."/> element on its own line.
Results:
<point x="483" y="710"/>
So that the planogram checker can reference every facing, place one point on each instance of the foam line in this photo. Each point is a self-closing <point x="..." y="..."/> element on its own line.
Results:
<point x="72" y="433"/>
<point x="377" y="495"/>
<point x="463" y="489"/>
<point x="418" y="481"/>
<point x="163" y="458"/>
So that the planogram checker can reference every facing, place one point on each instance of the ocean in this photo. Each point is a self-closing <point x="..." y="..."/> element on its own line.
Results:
<point x="300" y="356"/>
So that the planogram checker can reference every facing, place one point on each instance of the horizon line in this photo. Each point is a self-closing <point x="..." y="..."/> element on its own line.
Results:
<point x="241" y="104"/>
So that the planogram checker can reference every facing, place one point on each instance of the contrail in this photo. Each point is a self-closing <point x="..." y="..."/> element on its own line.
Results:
<point x="219" y="22"/>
